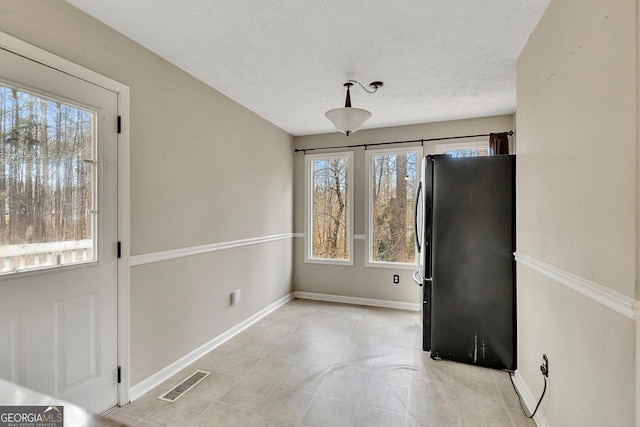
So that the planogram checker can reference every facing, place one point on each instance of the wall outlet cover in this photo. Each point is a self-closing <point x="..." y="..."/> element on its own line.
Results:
<point x="235" y="297"/>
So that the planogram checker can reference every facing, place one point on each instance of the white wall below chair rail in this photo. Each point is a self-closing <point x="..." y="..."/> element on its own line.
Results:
<point x="202" y="249"/>
<point x="164" y="374"/>
<point x="614" y="300"/>
<point x="358" y="301"/>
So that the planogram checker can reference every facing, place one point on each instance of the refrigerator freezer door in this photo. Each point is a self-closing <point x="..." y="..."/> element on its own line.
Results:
<point x="472" y="264"/>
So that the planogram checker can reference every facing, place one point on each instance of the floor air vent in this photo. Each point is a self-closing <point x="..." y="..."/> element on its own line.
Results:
<point x="186" y="385"/>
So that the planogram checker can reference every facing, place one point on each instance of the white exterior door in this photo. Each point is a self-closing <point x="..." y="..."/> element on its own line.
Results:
<point x="58" y="234"/>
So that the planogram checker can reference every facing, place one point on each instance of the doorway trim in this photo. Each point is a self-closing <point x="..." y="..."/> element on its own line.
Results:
<point x="48" y="59"/>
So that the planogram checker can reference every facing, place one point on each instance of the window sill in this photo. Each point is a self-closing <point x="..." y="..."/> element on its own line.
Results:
<point x="392" y="265"/>
<point x="346" y="262"/>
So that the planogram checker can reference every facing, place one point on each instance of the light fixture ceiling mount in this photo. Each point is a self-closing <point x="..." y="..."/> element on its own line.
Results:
<point x="349" y="119"/>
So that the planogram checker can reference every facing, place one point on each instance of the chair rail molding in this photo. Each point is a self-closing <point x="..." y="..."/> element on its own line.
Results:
<point x="202" y="249"/>
<point x="610" y="298"/>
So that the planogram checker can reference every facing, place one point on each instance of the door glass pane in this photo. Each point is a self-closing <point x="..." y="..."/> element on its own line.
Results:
<point x="47" y="182"/>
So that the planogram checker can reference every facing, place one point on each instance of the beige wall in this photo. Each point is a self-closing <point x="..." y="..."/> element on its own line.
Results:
<point x="203" y="170"/>
<point x="358" y="280"/>
<point x="576" y="208"/>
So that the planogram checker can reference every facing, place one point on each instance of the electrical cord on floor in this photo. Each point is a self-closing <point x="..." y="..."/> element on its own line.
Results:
<point x="520" y="397"/>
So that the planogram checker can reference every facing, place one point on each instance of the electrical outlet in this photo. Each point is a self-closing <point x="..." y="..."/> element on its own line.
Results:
<point x="396" y="279"/>
<point x="544" y="368"/>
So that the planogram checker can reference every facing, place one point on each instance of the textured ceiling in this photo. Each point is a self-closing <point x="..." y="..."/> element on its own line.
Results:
<point x="286" y="60"/>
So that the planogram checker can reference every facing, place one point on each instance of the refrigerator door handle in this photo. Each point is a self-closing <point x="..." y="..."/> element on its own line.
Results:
<point x="417" y="280"/>
<point x="415" y="218"/>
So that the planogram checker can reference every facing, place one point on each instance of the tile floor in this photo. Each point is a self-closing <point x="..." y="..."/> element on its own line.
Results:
<point x="313" y="363"/>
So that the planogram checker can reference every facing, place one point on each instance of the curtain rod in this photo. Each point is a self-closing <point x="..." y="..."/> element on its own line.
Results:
<point x="421" y="141"/>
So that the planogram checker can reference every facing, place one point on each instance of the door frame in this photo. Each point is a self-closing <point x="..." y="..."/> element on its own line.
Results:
<point x="37" y="54"/>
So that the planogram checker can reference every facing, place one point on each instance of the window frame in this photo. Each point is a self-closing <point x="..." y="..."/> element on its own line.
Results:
<point x="369" y="208"/>
<point x="308" y="237"/>
<point x="443" y="148"/>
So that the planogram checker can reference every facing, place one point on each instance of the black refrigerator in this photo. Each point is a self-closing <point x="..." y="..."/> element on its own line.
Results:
<point x="465" y="236"/>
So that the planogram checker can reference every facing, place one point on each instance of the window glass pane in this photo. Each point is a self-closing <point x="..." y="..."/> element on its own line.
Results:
<point x="330" y="234"/>
<point x="392" y="192"/>
<point x="46" y="182"/>
<point x="469" y="152"/>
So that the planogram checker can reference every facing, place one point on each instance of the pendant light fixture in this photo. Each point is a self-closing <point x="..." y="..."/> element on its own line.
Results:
<point x="349" y="119"/>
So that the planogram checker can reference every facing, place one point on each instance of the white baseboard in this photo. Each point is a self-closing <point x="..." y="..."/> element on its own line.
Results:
<point x="167" y="372"/>
<point x="528" y="399"/>
<point x="358" y="301"/>
<point x="636" y="312"/>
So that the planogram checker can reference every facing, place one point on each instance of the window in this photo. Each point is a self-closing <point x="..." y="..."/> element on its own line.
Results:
<point x="47" y="182"/>
<point x="329" y="195"/>
<point x="392" y="183"/>
<point x="465" y="149"/>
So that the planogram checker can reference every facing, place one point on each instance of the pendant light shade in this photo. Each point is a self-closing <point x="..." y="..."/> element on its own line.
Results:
<point x="348" y="119"/>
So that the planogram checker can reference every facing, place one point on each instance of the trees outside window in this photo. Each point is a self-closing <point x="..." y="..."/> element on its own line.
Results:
<point x="464" y="149"/>
<point x="46" y="182"/>
<point x="392" y="185"/>
<point x="329" y="207"/>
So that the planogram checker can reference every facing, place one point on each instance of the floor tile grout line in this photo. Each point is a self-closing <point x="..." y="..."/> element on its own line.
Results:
<point x="200" y="414"/>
